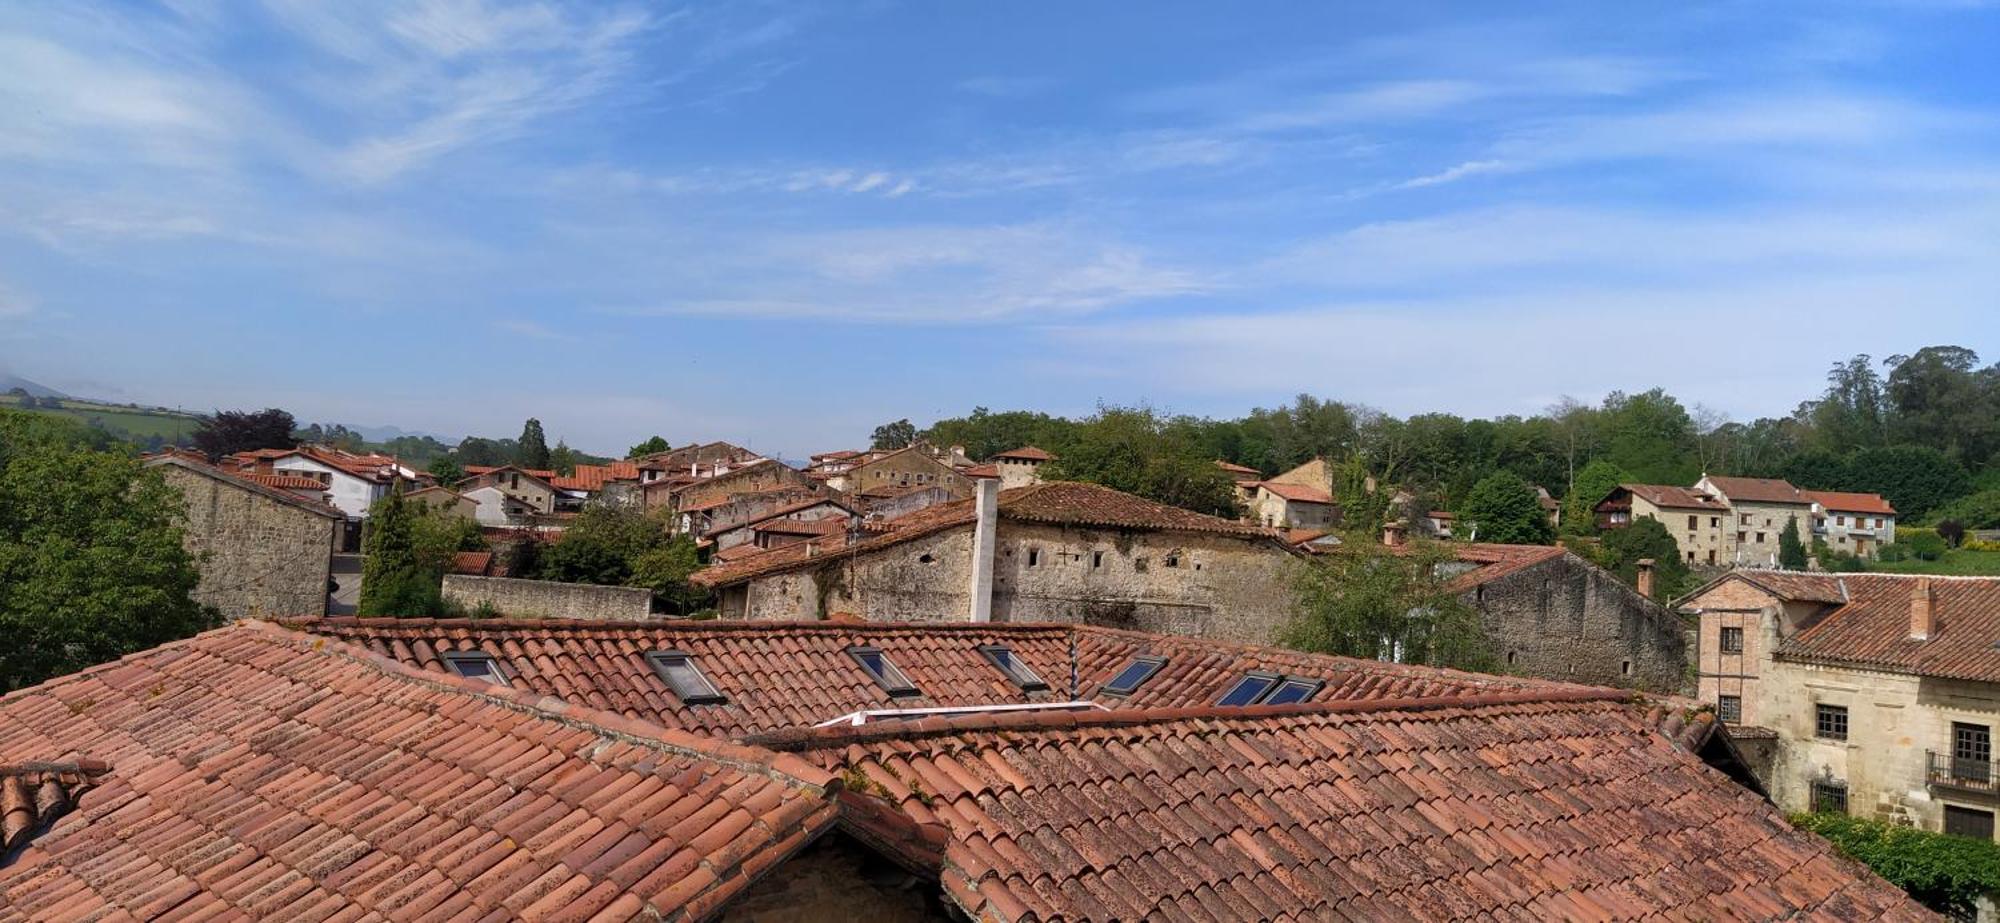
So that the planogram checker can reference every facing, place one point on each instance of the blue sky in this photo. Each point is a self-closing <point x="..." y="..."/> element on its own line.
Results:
<point x="782" y="224"/>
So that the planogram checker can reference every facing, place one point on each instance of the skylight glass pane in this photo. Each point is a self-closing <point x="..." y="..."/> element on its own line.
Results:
<point x="1247" y="690"/>
<point x="687" y="680"/>
<point x="476" y="666"/>
<point x="1016" y="669"/>
<point x="883" y="671"/>
<point x="1292" y="691"/>
<point x="1134" y="673"/>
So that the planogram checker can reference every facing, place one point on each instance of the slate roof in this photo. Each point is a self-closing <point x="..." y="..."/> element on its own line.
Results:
<point x="1844" y="502"/>
<point x="259" y="773"/>
<point x="1058" y="503"/>
<point x="1535" y="807"/>
<point x="1872" y="628"/>
<point x="1757" y="490"/>
<point x="778" y="675"/>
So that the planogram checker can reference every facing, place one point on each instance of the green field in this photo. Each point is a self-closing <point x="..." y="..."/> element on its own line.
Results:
<point x="1956" y="562"/>
<point x="124" y="422"/>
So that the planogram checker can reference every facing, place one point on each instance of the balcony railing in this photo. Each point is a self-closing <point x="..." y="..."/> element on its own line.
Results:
<point x="1959" y="772"/>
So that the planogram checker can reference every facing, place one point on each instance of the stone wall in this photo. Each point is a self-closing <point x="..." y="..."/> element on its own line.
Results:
<point x="548" y="599"/>
<point x="259" y="556"/>
<point x="1202" y="585"/>
<point x="1567" y="620"/>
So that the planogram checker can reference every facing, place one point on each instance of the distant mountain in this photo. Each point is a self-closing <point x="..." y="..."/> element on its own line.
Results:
<point x="382" y="433"/>
<point x="9" y="382"/>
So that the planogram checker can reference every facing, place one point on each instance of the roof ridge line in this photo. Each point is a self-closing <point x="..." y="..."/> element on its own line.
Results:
<point x="717" y="625"/>
<point x="813" y="738"/>
<point x="746" y="758"/>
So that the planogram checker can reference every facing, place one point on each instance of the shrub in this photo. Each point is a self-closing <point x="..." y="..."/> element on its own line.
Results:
<point x="1952" y="531"/>
<point x="1945" y="873"/>
<point x="1926" y="545"/>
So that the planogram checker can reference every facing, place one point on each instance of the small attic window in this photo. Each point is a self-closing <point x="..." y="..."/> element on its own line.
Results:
<point x="1003" y="657"/>
<point x="883" y="671"/>
<point x="679" y="672"/>
<point x="1138" y="671"/>
<point x="1293" y="690"/>
<point x="1249" y="689"/>
<point x="475" y="665"/>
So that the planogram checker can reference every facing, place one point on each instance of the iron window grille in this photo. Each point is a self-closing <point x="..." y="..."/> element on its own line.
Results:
<point x="1830" y="722"/>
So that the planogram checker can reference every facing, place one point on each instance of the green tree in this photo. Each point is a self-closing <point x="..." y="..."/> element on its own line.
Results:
<point x="563" y="459"/>
<point x="1503" y="508"/>
<point x="1593" y="484"/>
<point x="1946" y="873"/>
<point x="1651" y="436"/>
<point x="1915" y="479"/>
<point x="665" y="570"/>
<point x="532" y="451"/>
<point x="1363" y="511"/>
<point x="474" y="450"/>
<point x="91" y="561"/>
<point x="1974" y="511"/>
<point x="1818" y="469"/>
<point x="227" y="432"/>
<point x="1365" y="600"/>
<point x="895" y="435"/>
<point x="1138" y="451"/>
<point x="1621" y="550"/>
<point x="394" y="579"/>
<point x="1791" y="550"/>
<point x="652" y="446"/>
<point x="1849" y="415"/>
<point x="615" y="545"/>
<point x="1942" y="399"/>
<point x="446" y="470"/>
<point x="984" y="433"/>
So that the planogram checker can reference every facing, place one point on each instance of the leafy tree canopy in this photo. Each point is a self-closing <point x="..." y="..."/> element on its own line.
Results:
<point x="1595" y="482"/>
<point x="408" y="547"/>
<point x="652" y="446"/>
<point x="446" y="470"/>
<point x="1621" y="550"/>
<point x="229" y="431"/>
<point x="1503" y="508"/>
<point x="1366" y="600"/>
<point x="895" y="435"/>
<point x="1138" y="451"/>
<point x="91" y="561"/>
<point x="1946" y="873"/>
<point x="1791" y="549"/>
<point x="532" y="449"/>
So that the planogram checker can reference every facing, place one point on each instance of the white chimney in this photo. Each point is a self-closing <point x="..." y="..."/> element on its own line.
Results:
<point x="986" y="521"/>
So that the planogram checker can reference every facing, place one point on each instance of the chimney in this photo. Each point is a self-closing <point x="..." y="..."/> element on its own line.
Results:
<point x="1923" y="611"/>
<point x="1393" y="534"/>
<point x="986" y="521"/>
<point x="1645" y="566"/>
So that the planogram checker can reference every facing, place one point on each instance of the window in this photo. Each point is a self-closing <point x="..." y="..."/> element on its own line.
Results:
<point x="1624" y="668"/>
<point x="1743" y="520"/>
<point x="1715" y="522"/>
<point x="475" y="665"/>
<point x="1840" y="520"/>
<point x="883" y="671"/>
<point x="1249" y="689"/>
<point x="1742" y="537"/>
<point x="1293" y="690"/>
<point x="1173" y="560"/>
<point x="1097" y="559"/>
<point x="1827" y="796"/>
<point x="1034" y="557"/>
<point x="1510" y="658"/>
<point x="1972" y="752"/>
<point x="679" y="672"/>
<point x="1968" y="822"/>
<point x="1760" y="538"/>
<point x="1137" y="671"/>
<point x="1729" y="708"/>
<point x="1830" y="722"/>
<point x="1692" y="521"/>
<point x="1732" y="640"/>
<point x="1003" y="657"/>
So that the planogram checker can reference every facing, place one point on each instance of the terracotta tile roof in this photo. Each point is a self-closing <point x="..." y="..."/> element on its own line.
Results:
<point x="240" y="478"/>
<point x="1843" y="502"/>
<point x="831" y="525"/>
<point x="1873" y="627"/>
<point x="1025" y="453"/>
<point x="1296" y="493"/>
<point x="1667" y="496"/>
<point x="1496" y="561"/>
<point x="258" y="773"/>
<point x="1757" y="490"/>
<point x="986" y="470"/>
<point x="778" y="675"/>
<point x="1304" y="536"/>
<point x="281" y="481"/>
<point x="1234" y="468"/>
<point x="477" y="470"/>
<point x="34" y="795"/>
<point x="1791" y="585"/>
<point x="1538" y="806"/>
<point x="473" y="563"/>
<point x="1058" y="503"/>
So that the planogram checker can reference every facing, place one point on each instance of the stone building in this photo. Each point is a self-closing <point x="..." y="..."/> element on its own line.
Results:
<point x="263" y="552"/>
<point x="1284" y="505"/>
<point x="1057" y="551"/>
<point x="1021" y="467"/>
<point x="1698" y="521"/>
<point x="906" y="467"/>
<point x="446" y="500"/>
<point x="758" y="476"/>
<point x="1761" y="509"/>
<point x="1880" y="692"/>
<point x="1859" y="524"/>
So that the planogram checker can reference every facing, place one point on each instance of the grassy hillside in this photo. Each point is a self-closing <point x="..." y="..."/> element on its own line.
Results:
<point x="134" y="423"/>
<point x="1959" y="562"/>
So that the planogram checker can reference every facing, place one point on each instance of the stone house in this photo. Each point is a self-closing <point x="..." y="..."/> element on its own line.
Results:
<point x="446" y="500"/>
<point x="698" y="460"/>
<point x="1700" y="522"/>
<point x="1859" y="524"/>
<point x="760" y="476"/>
<point x="1056" y="551"/>
<point x="886" y="503"/>
<point x="495" y="508"/>
<point x="1020" y="467"/>
<point x="1761" y="509"/>
<point x="354" y="482"/>
<point x="782" y="525"/>
<point x="1879" y="692"/>
<point x="907" y="467"/>
<point x="263" y="552"/>
<point x="717" y="514"/>
<point x="1285" y="505"/>
<point x="530" y="488"/>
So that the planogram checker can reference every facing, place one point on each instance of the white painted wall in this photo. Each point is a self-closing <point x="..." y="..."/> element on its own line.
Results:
<point x="349" y="494"/>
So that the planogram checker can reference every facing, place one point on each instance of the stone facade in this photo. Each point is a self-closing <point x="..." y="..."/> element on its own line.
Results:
<point x="905" y="468"/>
<point x="1566" y="619"/>
<point x="1754" y="529"/>
<point x="538" y="495"/>
<point x="547" y="599"/>
<point x="445" y="500"/>
<point x="1702" y="534"/>
<point x="263" y="553"/>
<point x="755" y="477"/>
<point x="1202" y="585"/>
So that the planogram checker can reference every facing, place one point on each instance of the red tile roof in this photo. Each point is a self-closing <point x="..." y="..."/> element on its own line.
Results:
<point x="477" y="470"/>
<point x="1872" y="627"/>
<point x="243" y="480"/>
<point x="1058" y="503"/>
<point x="1757" y="490"/>
<point x="1539" y="806"/>
<point x="1496" y="561"/>
<point x="281" y="481"/>
<point x="1025" y="453"/>
<point x="1297" y="493"/>
<point x="985" y="470"/>
<point x="1843" y="502"/>
<point x="831" y="525"/>
<point x="780" y="675"/>
<point x="1234" y="468"/>
<point x="34" y="795"/>
<point x="1667" y="496"/>
<point x="262" y="773"/>
<point x="472" y="563"/>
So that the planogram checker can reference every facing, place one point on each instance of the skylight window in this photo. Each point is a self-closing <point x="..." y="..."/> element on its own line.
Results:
<point x="1293" y="690"/>
<point x="1138" y="671"/>
<point x="686" y="679"/>
<point x="1016" y="670"/>
<point x="475" y="665"/>
<point x="1249" y="689"/>
<point x="883" y="671"/>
